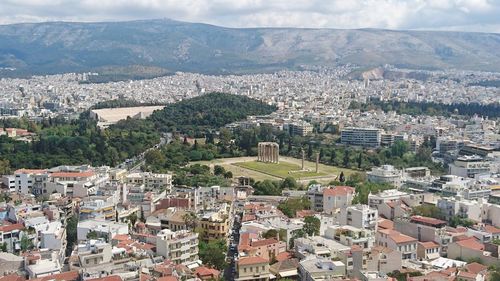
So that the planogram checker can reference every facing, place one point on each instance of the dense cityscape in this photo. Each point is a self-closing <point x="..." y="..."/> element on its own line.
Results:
<point x="162" y="150"/>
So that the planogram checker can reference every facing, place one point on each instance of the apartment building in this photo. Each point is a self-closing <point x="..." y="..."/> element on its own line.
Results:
<point x="150" y="180"/>
<point x="360" y="216"/>
<point x="94" y="253"/>
<point x="181" y="246"/>
<point x="367" y="137"/>
<point x="350" y="235"/>
<point x="337" y="197"/>
<point x="397" y="241"/>
<point x="97" y="209"/>
<point x="386" y="174"/>
<point x="215" y="225"/>
<point x="320" y="269"/>
<point x="469" y="166"/>
<point x="253" y="268"/>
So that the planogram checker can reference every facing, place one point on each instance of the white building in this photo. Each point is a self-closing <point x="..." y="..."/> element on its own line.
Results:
<point x="360" y="216"/>
<point x="469" y="166"/>
<point x="386" y="174"/>
<point x="150" y="180"/>
<point x="181" y="247"/>
<point x="102" y="228"/>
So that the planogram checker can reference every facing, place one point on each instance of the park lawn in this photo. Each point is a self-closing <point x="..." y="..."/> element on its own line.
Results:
<point x="280" y="170"/>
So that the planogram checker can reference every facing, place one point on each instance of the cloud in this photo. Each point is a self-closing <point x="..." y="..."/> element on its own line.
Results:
<point x="469" y="15"/>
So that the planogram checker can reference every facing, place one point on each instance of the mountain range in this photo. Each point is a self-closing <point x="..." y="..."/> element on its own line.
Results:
<point x="56" y="47"/>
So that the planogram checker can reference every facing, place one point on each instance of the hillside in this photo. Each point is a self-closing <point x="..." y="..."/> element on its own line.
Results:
<point x="163" y="46"/>
<point x="209" y="111"/>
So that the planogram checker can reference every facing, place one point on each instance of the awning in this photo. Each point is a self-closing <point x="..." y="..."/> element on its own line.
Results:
<point x="288" y="273"/>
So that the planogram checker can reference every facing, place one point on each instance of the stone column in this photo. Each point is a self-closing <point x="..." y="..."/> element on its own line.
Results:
<point x="303" y="156"/>
<point x="317" y="162"/>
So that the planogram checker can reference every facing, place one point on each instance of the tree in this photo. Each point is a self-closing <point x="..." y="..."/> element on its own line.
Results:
<point x="92" y="235"/>
<point x="3" y="247"/>
<point x="341" y="177"/>
<point x="4" y="167"/>
<point x="311" y="225"/>
<point x="155" y="157"/>
<point x="132" y="218"/>
<point x="321" y="154"/>
<point x="292" y="205"/>
<point x="309" y="151"/>
<point x="213" y="253"/>
<point x="333" y="157"/>
<point x="228" y="175"/>
<point x="289" y="183"/>
<point x="219" y="170"/>
<point x="399" y="148"/>
<point x="190" y="219"/>
<point x="71" y="233"/>
<point x="26" y="243"/>
<point x="426" y="210"/>
<point x="346" y="158"/>
<point x="271" y="233"/>
<point x="360" y="160"/>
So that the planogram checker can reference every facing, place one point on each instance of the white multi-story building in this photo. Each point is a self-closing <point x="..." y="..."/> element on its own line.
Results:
<point x="457" y="206"/>
<point x="469" y="166"/>
<point x="386" y="174"/>
<point x="360" y="216"/>
<point x="105" y="229"/>
<point x="150" y="180"/>
<point x="368" y="137"/>
<point x="181" y="246"/>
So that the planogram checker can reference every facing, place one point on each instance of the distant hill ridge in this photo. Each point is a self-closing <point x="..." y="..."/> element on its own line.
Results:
<point x="55" y="47"/>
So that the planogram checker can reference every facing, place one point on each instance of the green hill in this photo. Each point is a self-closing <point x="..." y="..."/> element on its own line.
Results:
<point x="209" y="111"/>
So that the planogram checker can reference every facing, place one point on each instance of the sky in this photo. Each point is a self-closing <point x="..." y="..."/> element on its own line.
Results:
<point x="456" y="15"/>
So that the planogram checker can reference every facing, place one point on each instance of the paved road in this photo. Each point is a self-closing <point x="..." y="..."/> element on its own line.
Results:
<point x="230" y="271"/>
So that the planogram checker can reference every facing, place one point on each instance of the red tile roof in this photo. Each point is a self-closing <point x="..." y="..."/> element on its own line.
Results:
<point x="476" y="267"/>
<point x="385" y="224"/>
<point x="107" y="278"/>
<point x="252" y="260"/>
<point x="429" y="244"/>
<point x="12" y="277"/>
<point x="471" y="243"/>
<point x="283" y="256"/>
<point x="65" y="276"/>
<point x="72" y="174"/>
<point x="427" y="220"/>
<point x="206" y="272"/>
<point x="264" y="242"/>
<point x="167" y="278"/>
<point x="338" y="191"/>
<point x="11" y="227"/>
<point x="397" y="236"/>
<point x="491" y="229"/>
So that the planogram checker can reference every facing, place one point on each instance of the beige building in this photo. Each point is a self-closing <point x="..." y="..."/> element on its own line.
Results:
<point x="150" y="180"/>
<point x="253" y="268"/>
<point x="215" y="226"/>
<point x="394" y="240"/>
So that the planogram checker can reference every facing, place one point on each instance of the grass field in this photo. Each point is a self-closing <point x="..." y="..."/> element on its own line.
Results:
<point x="281" y="170"/>
<point x="249" y="167"/>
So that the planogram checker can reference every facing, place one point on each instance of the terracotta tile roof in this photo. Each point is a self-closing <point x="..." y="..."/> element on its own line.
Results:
<point x="30" y="171"/>
<point x="65" y="276"/>
<point x="12" y="277"/>
<point x="252" y="260"/>
<point x="304" y="213"/>
<point x="107" y="278"/>
<point x="248" y="218"/>
<point x="427" y="220"/>
<point x="11" y="227"/>
<point x="397" y="236"/>
<point x="167" y="278"/>
<point x="429" y="244"/>
<point x="471" y="243"/>
<point x="264" y="242"/>
<point x="468" y="275"/>
<point x="385" y="224"/>
<point x="283" y="256"/>
<point x="476" y="267"/>
<point x="491" y="229"/>
<point x="203" y="271"/>
<point x="72" y="174"/>
<point x="338" y="191"/>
